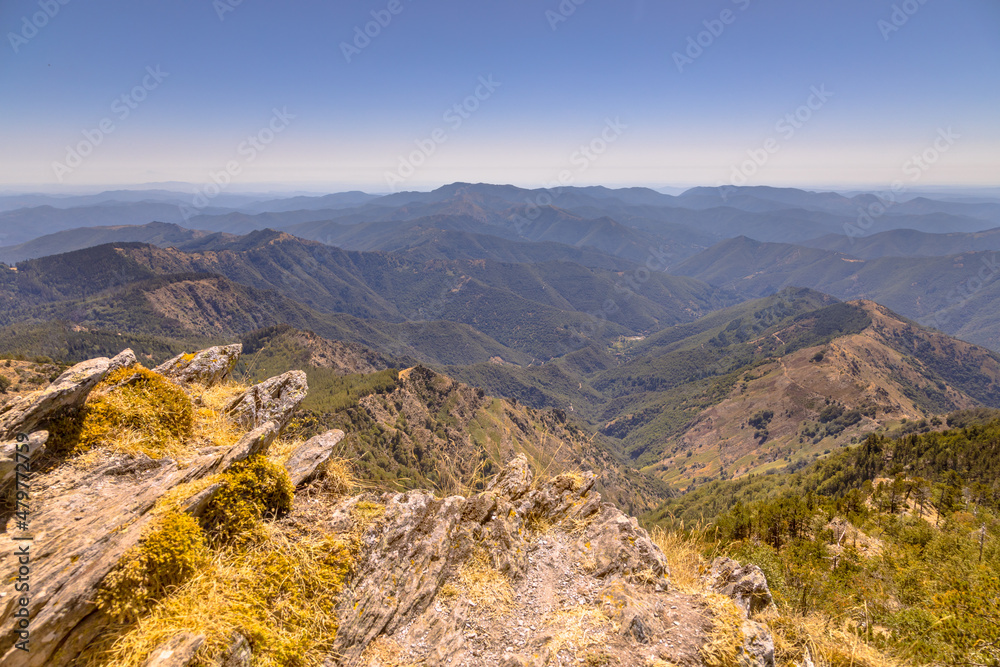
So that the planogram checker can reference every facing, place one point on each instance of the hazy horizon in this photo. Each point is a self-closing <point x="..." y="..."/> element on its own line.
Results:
<point x="729" y="92"/>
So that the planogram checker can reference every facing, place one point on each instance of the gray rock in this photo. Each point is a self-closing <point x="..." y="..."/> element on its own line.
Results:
<point x="758" y="645"/>
<point x="83" y="519"/>
<point x="124" y="359"/>
<point x="238" y="654"/>
<point x="175" y="652"/>
<point x="422" y="541"/>
<point x="198" y="503"/>
<point x="514" y="480"/>
<point x="308" y="457"/>
<point x="207" y="367"/>
<point x="747" y="586"/>
<point x="271" y="400"/>
<point x="25" y="413"/>
<point x="254" y="442"/>
<point x="9" y="458"/>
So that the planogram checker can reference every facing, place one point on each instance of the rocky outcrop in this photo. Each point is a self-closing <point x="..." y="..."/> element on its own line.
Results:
<point x="271" y="400"/>
<point x="747" y="586"/>
<point x="26" y="413"/>
<point x="557" y="549"/>
<point x="83" y="519"/>
<point x="305" y="461"/>
<point x="254" y="442"/>
<point x="527" y="573"/>
<point x="208" y="367"/>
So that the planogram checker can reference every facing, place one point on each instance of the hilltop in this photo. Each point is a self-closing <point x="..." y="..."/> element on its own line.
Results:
<point x="225" y="539"/>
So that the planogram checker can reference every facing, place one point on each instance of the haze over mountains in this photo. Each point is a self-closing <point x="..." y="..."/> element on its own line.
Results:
<point x="700" y="335"/>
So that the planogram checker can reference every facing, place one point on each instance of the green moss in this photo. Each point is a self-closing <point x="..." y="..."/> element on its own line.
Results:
<point x="164" y="559"/>
<point x="253" y="489"/>
<point x="137" y="410"/>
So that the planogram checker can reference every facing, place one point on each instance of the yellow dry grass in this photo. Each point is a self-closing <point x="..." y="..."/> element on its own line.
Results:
<point x="480" y="582"/>
<point x="383" y="652"/>
<point x="684" y="556"/>
<point x="725" y="639"/>
<point x="280" y="593"/>
<point x="578" y="630"/>
<point x="830" y="644"/>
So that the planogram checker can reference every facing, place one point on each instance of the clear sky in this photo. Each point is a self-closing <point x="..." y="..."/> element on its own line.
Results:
<point x="353" y="109"/>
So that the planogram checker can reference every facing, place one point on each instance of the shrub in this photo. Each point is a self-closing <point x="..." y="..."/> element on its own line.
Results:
<point x="164" y="559"/>
<point x="136" y="410"/>
<point x="4" y="384"/>
<point x="253" y="489"/>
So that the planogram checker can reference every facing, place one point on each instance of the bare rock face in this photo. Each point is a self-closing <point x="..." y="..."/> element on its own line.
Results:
<point x="25" y="413"/>
<point x="124" y="359"/>
<point x="304" y="462"/>
<point x="557" y="549"/>
<point x="271" y="400"/>
<point x="254" y="442"/>
<point x="747" y="586"/>
<point x="9" y="458"/>
<point x="207" y="367"/>
<point x="514" y="480"/>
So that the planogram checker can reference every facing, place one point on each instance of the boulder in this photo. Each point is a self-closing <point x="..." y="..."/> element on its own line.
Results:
<point x="124" y="359"/>
<point x="310" y="455"/>
<point x="758" y="645"/>
<point x="747" y="586"/>
<point x="271" y="400"/>
<point x="207" y="367"/>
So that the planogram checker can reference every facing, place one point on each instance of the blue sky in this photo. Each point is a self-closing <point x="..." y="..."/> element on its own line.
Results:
<point x="887" y="92"/>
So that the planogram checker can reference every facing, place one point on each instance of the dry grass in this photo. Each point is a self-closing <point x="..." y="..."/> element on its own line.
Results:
<point x="338" y="478"/>
<point x="725" y="639"/>
<point x="578" y="630"/>
<point x="480" y="582"/>
<point x="281" y="594"/>
<point x="829" y="644"/>
<point x="684" y="556"/>
<point x="137" y="411"/>
<point x="383" y="652"/>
